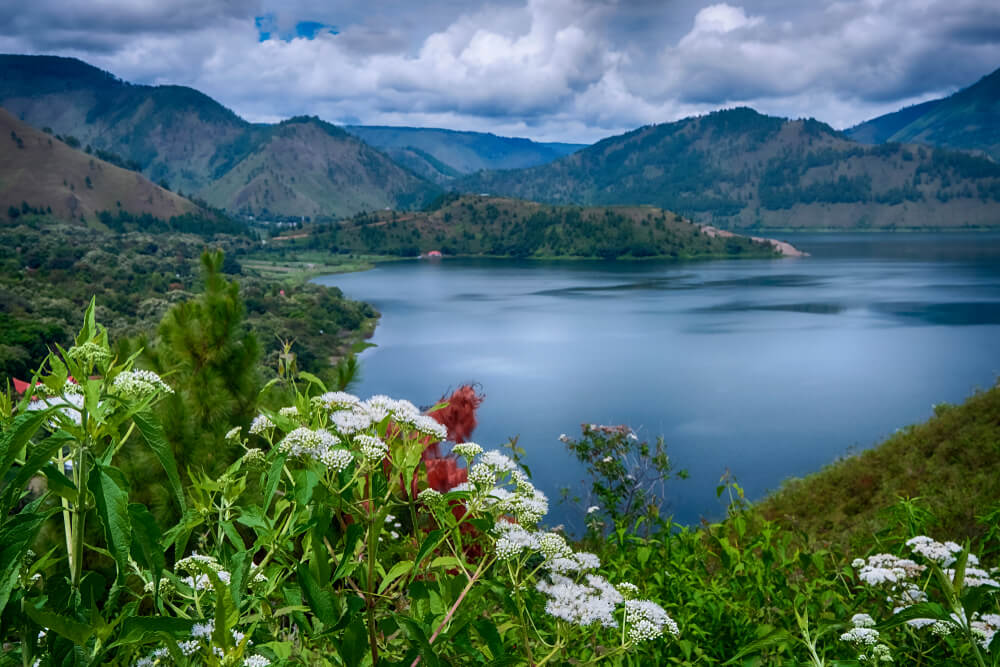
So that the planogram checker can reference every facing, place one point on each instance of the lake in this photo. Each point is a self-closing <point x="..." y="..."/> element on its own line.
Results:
<point x="765" y="368"/>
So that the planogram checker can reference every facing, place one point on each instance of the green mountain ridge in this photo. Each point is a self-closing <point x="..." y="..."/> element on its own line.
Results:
<point x="966" y="120"/>
<point x="459" y="152"/>
<point x="739" y="169"/>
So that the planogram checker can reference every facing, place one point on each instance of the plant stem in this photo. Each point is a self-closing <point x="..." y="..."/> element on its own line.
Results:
<point x="79" y="510"/>
<point x="370" y="597"/>
<point x="451" y="612"/>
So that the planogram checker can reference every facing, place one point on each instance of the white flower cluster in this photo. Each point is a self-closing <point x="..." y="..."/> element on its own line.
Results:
<point x="90" y="354"/>
<point x="581" y="604"/>
<point x="140" y="384"/>
<point x="201" y="635"/>
<point x="198" y="564"/>
<point x="860" y="637"/>
<point x="70" y="406"/>
<point x="467" y="450"/>
<point x="985" y="627"/>
<point x="260" y="424"/>
<point x="337" y="400"/>
<point x="886" y="568"/>
<point x="373" y="449"/>
<point x="319" y="445"/>
<point x="648" y="620"/>
<point x="290" y="411"/>
<point x="941" y="553"/>
<point x="862" y="621"/>
<point x="351" y="415"/>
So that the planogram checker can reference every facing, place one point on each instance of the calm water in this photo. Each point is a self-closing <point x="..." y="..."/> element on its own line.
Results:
<point x="767" y="368"/>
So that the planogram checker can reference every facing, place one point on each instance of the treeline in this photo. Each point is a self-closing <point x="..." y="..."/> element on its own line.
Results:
<point x="48" y="269"/>
<point x="472" y="225"/>
<point x="122" y="221"/>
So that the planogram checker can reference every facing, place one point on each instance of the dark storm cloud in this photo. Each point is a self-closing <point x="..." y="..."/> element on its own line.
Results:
<point x="553" y="69"/>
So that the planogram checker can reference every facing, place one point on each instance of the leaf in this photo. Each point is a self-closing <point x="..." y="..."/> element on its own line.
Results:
<point x="273" y="477"/>
<point x="488" y="631"/>
<point x="70" y="628"/>
<point x="313" y="380"/>
<point x="146" y="541"/>
<point x="89" y="324"/>
<point x="225" y="614"/>
<point x="152" y="431"/>
<point x="139" y="628"/>
<point x="59" y="484"/>
<point x="355" y="643"/>
<point x="111" y="498"/>
<point x="397" y="570"/>
<point x="921" y="610"/>
<point x="429" y="543"/>
<point x="16" y="537"/>
<point x="320" y="600"/>
<point x="444" y="561"/>
<point x="354" y="532"/>
<point x="419" y="637"/>
<point x="774" y="638"/>
<point x="14" y="438"/>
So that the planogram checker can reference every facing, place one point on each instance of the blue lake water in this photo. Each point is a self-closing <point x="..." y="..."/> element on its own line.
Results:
<point x="767" y="368"/>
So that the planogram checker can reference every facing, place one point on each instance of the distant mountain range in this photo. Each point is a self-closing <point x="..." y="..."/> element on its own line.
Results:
<point x="441" y="155"/>
<point x="735" y="169"/>
<point x="968" y="120"/>
<point x="183" y="138"/>
<point x="739" y="169"/>
<point x="40" y="173"/>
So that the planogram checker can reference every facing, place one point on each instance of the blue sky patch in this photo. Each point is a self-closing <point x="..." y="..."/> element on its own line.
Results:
<point x="267" y="28"/>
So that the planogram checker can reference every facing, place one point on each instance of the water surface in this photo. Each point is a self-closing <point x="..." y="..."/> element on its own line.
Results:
<point x="767" y="368"/>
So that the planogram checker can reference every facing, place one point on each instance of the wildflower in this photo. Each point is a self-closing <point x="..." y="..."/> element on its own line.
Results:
<point x="628" y="590"/>
<point x="166" y="587"/>
<point x="430" y="427"/>
<point x="256" y="661"/>
<point x="648" y="620"/>
<point x="942" y="628"/>
<point x="431" y="497"/>
<point x="372" y="449"/>
<point x="941" y="553"/>
<point x="862" y="621"/>
<point x="233" y="434"/>
<point x="90" y="354"/>
<point x="860" y="637"/>
<point x="336" y="459"/>
<point x="203" y="630"/>
<point x="498" y="461"/>
<point x="140" y="384"/>
<point x="337" y="400"/>
<point x="881" y="653"/>
<point x="886" y="568"/>
<point x="974" y="577"/>
<point x="254" y="457"/>
<point x="69" y="406"/>
<point x="482" y="476"/>
<point x="552" y="545"/>
<point x="468" y="450"/>
<point x="260" y="424"/>
<point x="349" y="422"/>
<point x="593" y="508"/>
<point x="290" y="411"/>
<point x="580" y="604"/>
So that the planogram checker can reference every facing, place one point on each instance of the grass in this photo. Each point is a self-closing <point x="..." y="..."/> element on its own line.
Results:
<point x="302" y="266"/>
<point x="950" y="462"/>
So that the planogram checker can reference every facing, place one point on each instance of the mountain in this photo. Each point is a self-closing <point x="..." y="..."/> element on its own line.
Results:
<point x="968" y="120"/>
<point x="503" y="227"/>
<point x="182" y="137"/>
<point x="304" y="166"/>
<point x="41" y="173"/>
<point x="441" y="155"/>
<point x="739" y="169"/>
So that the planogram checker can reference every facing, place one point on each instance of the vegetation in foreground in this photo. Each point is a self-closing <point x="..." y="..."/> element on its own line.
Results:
<point x="327" y="540"/>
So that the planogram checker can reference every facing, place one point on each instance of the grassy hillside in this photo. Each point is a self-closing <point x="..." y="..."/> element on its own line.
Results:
<point x="304" y="166"/>
<point x="43" y="172"/>
<point x="951" y="462"/>
<point x="495" y="226"/>
<point x="739" y="169"/>
<point x="460" y="152"/>
<point x="969" y="120"/>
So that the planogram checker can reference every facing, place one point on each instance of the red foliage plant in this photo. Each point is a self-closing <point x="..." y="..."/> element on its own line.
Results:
<point x="459" y="417"/>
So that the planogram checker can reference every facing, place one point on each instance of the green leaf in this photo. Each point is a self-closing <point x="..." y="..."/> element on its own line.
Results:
<point x="355" y="643"/>
<point x="419" y="637"/>
<point x="774" y="638"/>
<point x="273" y="477"/>
<point x="111" y="497"/>
<point x="431" y="541"/>
<point x="488" y="631"/>
<point x="14" y="438"/>
<point x="146" y="540"/>
<point x="394" y="573"/>
<point x="444" y="561"/>
<point x="89" y="329"/>
<point x="318" y="598"/>
<point x="226" y="614"/>
<point x="140" y="628"/>
<point x="313" y="380"/>
<point x="354" y="532"/>
<point x="16" y="537"/>
<point x="70" y="628"/>
<point x="152" y="431"/>
<point x="59" y="484"/>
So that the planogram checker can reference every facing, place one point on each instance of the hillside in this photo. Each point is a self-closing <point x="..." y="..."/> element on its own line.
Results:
<point x="951" y="462"/>
<point x="495" y="226"/>
<point x="739" y="169"/>
<point x="184" y="138"/>
<point x="304" y="166"/>
<point x="968" y="120"/>
<point x="45" y="174"/>
<point x="441" y="155"/>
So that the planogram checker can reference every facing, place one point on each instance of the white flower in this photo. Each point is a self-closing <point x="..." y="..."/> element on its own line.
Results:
<point x="337" y="400"/>
<point x="349" y="422"/>
<point x="862" y="621"/>
<point x="233" y="433"/>
<point x="372" y="449"/>
<point x="260" y="424"/>
<point x="290" y="411"/>
<point x="628" y="590"/>
<point x="482" y="476"/>
<point x="860" y="637"/>
<point x="942" y="553"/>
<point x="886" y="568"/>
<point x="468" y="450"/>
<point x="203" y="630"/>
<point x="593" y="508"/>
<point x="648" y="620"/>
<point x="140" y="384"/>
<point x="256" y="661"/>
<point x="579" y="604"/>
<point x="69" y="406"/>
<point x="500" y="462"/>
<point x="336" y="459"/>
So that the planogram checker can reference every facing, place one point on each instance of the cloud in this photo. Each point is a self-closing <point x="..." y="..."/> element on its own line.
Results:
<point x="549" y="69"/>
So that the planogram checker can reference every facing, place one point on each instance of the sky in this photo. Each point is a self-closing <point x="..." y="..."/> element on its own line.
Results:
<point x="550" y="70"/>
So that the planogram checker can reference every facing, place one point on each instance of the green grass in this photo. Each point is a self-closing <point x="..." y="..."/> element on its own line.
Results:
<point x="951" y="462"/>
